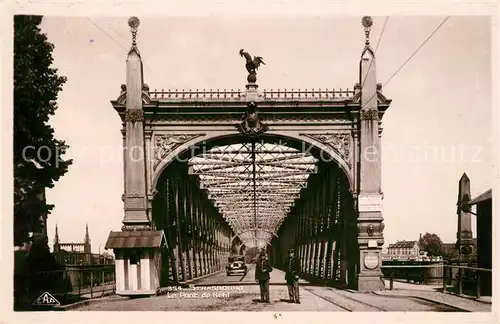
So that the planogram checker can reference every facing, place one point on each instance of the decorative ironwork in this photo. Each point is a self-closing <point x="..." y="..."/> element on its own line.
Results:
<point x="225" y="94"/>
<point x="197" y="94"/>
<point x="252" y="125"/>
<point x="231" y="173"/>
<point x="341" y="143"/>
<point x="134" y="23"/>
<point x="232" y="119"/>
<point x="166" y="143"/>
<point x="367" y="22"/>
<point x="315" y="94"/>
<point x="134" y="115"/>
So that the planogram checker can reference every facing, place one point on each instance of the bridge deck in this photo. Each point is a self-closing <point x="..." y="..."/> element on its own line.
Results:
<point x="242" y="294"/>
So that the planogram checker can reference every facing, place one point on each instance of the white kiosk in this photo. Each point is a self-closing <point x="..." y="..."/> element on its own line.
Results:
<point x="138" y="261"/>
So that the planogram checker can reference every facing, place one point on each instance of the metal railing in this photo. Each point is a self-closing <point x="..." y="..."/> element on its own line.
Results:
<point x="285" y="94"/>
<point x="308" y="94"/>
<point x="198" y="94"/>
<point x="67" y="285"/>
<point x="418" y="274"/>
<point x="462" y="280"/>
<point x="466" y="280"/>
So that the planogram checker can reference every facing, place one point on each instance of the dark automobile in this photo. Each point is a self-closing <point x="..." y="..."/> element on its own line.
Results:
<point x="236" y="265"/>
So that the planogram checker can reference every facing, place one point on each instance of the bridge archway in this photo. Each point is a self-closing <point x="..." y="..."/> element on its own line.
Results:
<point x="244" y="200"/>
<point x="196" y="143"/>
<point x="334" y="221"/>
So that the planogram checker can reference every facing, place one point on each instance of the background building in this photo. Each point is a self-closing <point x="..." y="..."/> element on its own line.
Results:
<point x="78" y="253"/>
<point x="404" y="250"/>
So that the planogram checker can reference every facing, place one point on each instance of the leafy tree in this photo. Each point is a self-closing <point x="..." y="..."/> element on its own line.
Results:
<point x="37" y="154"/>
<point x="432" y="244"/>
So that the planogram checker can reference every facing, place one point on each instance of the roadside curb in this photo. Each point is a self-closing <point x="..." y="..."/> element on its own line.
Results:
<point x="424" y="298"/>
<point x="469" y="297"/>
<point x="88" y="302"/>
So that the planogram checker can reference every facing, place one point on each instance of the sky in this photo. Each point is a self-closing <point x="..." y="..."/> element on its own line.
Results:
<point x="437" y="127"/>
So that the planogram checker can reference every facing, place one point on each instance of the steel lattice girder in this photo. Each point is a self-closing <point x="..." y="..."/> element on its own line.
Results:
<point x="253" y="190"/>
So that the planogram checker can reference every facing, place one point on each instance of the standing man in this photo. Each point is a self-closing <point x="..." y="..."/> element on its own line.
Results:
<point x="292" y="277"/>
<point x="262" y="270"/>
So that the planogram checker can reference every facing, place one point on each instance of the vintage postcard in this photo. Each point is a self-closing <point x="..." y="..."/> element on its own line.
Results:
<point x="282" y="165"/>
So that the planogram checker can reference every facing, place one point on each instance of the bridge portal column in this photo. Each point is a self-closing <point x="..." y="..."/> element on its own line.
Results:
<point x="135" y="267"/>
<point x="369" y="200"/>
<point x="135" y="200"/>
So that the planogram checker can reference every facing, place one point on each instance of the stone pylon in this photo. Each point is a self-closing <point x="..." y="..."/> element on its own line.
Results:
<point x="135" y="197"/>
<point x="370" y="226"/>
<point x="464" y="226"/>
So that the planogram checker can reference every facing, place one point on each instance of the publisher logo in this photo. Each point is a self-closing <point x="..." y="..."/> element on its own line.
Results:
<point x="46" y="299"/>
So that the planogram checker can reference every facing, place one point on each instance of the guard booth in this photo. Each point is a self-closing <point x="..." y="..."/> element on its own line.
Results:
<point x="137" y="261"/>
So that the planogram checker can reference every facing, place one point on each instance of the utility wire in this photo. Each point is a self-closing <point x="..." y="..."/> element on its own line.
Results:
<point x="411" y="56"/>
<point x="108" y="35"/>
<point x="418" y="49"/>
<point x="381" y="33"/>
<point x="117" y="42"/>
<point x="117" y="33"/>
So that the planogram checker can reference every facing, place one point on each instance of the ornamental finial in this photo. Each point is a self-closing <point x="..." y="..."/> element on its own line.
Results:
<point x="251" y="65"/>
<point x="134" y="22"/>
<point x="367" y="22"/>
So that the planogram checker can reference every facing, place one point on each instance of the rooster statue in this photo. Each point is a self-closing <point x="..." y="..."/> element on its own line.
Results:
<point x="251" y="65"/>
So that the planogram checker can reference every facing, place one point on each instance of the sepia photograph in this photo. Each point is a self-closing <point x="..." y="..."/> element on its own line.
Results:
<point x="253" y="164"/>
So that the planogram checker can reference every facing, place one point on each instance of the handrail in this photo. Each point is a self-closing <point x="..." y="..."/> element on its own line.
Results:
<point x="468" y="268"/>
<point x="72" y="268"/>
<point x="444" y="273"/>
<point x="411" y="266"/>
<point x="436" y="266"/>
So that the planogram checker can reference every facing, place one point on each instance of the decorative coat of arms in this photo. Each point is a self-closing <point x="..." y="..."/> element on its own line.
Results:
<point x="252" y="125"/>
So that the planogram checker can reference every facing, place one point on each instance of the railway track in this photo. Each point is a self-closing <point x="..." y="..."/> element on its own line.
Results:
<point x="336" y="303"/>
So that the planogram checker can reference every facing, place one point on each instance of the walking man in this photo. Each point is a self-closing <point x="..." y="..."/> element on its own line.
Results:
<point x="292" y="277"/>
<point x="262" y="270"/>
